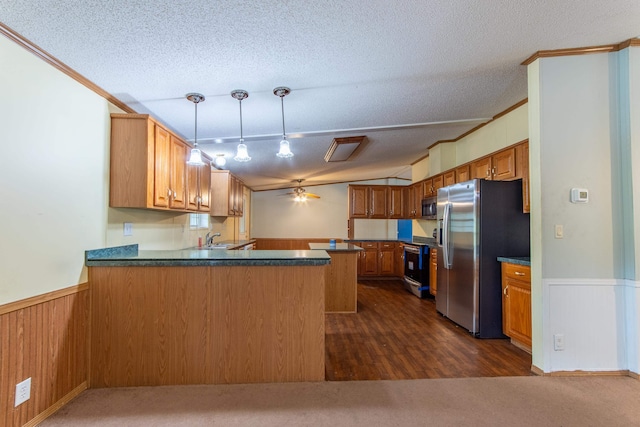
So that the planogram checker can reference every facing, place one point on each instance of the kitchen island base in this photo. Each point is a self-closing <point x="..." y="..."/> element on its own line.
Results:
<point x="206" y="325"/>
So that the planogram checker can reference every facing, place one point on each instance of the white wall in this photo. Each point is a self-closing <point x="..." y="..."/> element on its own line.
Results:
<point x="53" y="167"/>
<point x="276" y="215"/>
<point x="577" y="286"/>
<point x="500" y="133"/>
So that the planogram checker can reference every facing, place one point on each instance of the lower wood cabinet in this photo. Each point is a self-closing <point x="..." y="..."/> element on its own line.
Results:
<point x="516" y="304"/>
<point x="378" y="259"/>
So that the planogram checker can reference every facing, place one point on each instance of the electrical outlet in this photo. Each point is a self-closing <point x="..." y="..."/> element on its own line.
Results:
<point x="128" y="229"/>
<point x="23" y="391"/>
<point x="558" y="342"/>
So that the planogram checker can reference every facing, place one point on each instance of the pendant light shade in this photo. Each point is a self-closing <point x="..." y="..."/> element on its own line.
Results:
<point x="195" y="158"/>
<point x="242" y="155"/>
<point x="285" y="149"/>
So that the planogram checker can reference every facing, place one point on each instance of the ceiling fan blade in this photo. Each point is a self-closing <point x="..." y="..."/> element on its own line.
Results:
<point x="311" y="195"/>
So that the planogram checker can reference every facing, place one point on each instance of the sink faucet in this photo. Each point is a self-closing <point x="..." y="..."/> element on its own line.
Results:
<point x="208" y="240"/>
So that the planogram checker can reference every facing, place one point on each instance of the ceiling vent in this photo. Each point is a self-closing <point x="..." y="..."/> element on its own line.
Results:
<point x="342" y="148"/>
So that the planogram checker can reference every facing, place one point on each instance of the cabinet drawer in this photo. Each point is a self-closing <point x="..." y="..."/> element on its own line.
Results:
<point x="369" y="245"/>
<point x="387" y="245"/>
<point x="518" y="272"/>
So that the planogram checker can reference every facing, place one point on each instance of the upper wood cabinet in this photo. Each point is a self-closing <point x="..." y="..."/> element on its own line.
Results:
<point x="427" y="187"/>
<point x="368" y="201"/>
<point x="433" y="271"/>
<point x="415" y="200"/>
<point x="449" y="178"/>
<point x="199" y="186"/>
<point x="226" y="194"/>
<point x="396" y="203"/>
<point x="438" y="182"/>
<point x="500" y="166"/>
<point x="148" y="165"/>
<point x="463" y="173"/>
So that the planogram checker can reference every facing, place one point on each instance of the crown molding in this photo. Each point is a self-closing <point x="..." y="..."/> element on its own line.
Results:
<point x="61" y="66"/>
<point x="582" y="50"/>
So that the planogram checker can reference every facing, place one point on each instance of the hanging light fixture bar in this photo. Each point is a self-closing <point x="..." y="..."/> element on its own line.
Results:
<point x="195" y="158"/>
<point x="285" y="149"/>
<point x="242" y="155"/>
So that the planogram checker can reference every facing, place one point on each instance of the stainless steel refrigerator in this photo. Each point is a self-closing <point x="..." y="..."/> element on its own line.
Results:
<point x="478" y="221"/>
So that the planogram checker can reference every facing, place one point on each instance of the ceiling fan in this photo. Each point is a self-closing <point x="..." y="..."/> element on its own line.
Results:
<point x="300" y="194"/>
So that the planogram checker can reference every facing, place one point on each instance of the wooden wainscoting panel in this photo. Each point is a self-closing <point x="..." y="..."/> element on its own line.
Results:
<point x="150" y="326"/>
<point x="269" y="329"/>
<point x="46" y="342"/>
<point x="289" y="244"/>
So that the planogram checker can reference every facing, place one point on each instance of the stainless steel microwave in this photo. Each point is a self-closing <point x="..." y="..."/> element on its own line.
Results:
<point x="429" y="207"/>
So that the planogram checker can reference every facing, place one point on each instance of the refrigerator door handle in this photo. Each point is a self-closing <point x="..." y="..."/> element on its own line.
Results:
<point x="446" y="238"/>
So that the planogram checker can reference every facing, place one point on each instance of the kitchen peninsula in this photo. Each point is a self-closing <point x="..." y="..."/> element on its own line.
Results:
<point x="205" y="316"/>
<point x="341" y="277"/>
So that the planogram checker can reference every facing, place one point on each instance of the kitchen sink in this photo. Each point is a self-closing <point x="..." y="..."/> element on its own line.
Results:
<point x="216" y="246"/>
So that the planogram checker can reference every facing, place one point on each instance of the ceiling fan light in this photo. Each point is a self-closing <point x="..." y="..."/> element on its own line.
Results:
<point x="195" y="159"/>
<point x="285" y="150"/>
<point x="242" y="155"/>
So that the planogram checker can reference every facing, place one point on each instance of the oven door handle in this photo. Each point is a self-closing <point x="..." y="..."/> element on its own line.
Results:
<point x="412" y="250"/>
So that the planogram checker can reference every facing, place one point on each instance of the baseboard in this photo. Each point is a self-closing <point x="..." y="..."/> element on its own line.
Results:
<point x="56" y="406"/>
<point x="622" y="373"/>
<point x="521" y="346"/>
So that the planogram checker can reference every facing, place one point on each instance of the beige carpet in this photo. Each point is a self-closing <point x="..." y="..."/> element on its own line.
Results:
<point x="512" y="401"/>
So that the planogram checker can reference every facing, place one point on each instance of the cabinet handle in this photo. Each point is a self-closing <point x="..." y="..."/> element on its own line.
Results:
<point x="506" y="291"/>
<point x="169" y="192"/>
<point x="518" y="273"/>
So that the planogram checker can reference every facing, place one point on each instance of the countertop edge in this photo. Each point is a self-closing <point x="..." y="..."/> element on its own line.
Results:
<point x="526" y="261"/>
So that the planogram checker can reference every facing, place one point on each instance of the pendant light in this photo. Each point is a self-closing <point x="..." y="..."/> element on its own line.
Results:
<point x="195" y="158"/>
<point x="285" y="150"/>
<point x="242" y="155"/>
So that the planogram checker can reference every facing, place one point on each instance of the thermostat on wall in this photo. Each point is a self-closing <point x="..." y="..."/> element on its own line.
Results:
<point x="579" y="195"/>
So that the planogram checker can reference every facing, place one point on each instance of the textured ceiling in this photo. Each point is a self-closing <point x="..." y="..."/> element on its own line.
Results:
<point x="350" y="64"/>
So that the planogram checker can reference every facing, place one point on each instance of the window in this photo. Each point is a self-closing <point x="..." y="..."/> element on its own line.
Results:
<point x="197" y="221"/>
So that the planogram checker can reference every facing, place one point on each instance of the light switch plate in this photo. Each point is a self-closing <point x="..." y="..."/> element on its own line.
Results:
<point x="559" y="231"/>
<point x="128" y="229"/>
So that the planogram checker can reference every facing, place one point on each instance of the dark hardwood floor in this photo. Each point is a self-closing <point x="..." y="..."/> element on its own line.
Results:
<point x="396" y="335"/>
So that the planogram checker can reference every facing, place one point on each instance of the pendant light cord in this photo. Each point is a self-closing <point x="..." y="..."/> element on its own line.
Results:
<point x="284" y="134"/>
<point x="195" y="143"/>
<point x="241" y="138"/>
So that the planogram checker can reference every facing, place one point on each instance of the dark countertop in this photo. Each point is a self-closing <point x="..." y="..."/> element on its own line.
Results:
<point x="235" y="244"/>
<point x="338" y="247"/>
<point x="124" y="256"/>
<point x="417" y="241"/>
<point x="516" y="260"/>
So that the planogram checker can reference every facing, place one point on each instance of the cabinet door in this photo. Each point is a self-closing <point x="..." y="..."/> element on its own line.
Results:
<point x="178" y="174"/>
<point x="427" y="188"/>
<point x="162" y="191"/>
<point x="504" y="165"/>
<point x="378" y="201"/>
<point x="231" y="194"/>
<point x="519" y="310"/>
<point x="395" y="202"/>
<point x="433" y="271"/>
<point x="416" y="200"/>
<point x="358" y="201"/>
<point x="193" y="185"/>
<point x="386" y="256"/>
<point x="239" y="197"/>
<point x="449" y="178"/>
<point x="462" y="173"/>
<point x="481" y="168"/>
<point x="369" y="262"/>
<point x="399" y="260"/>
<point x="438" y="182"/>
<point x="205" y="187"/>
